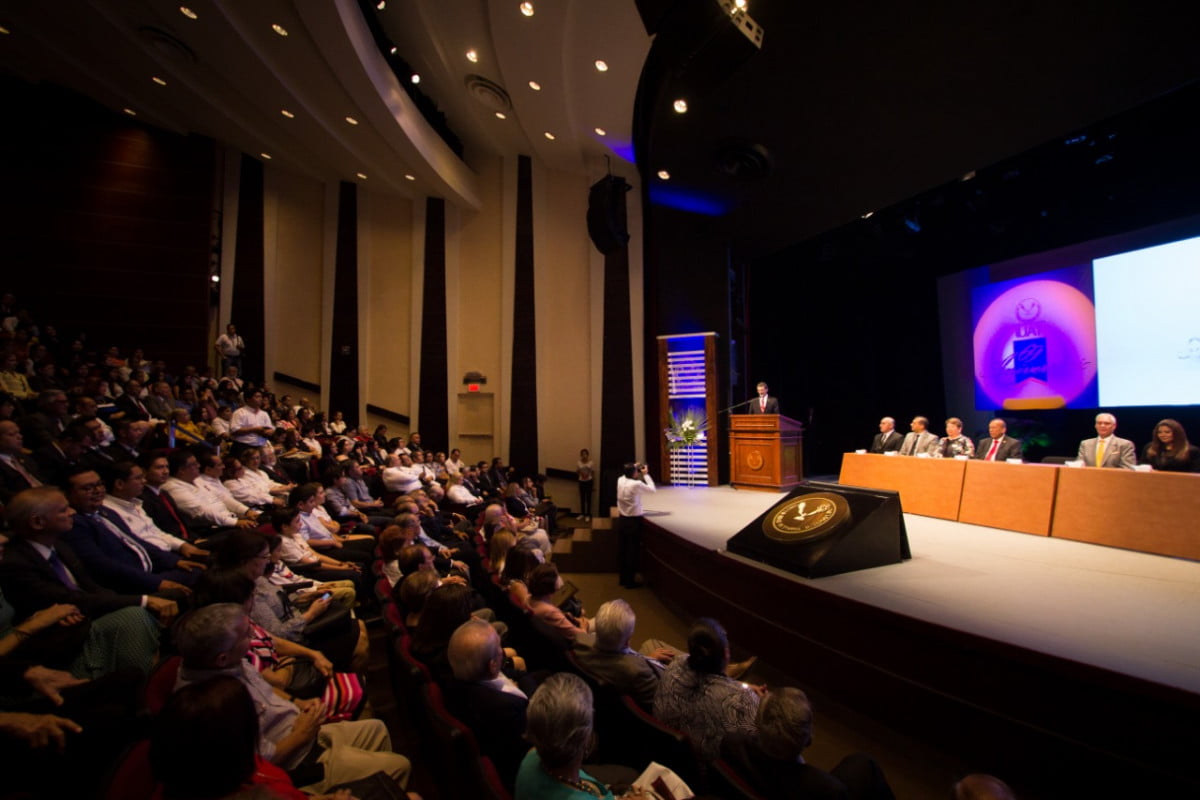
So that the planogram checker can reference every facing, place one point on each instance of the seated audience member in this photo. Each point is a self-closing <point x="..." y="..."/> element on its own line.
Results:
<point x="565" y="629"/>
<point x="392" y="540"/>
<point x="495" y="513"/>
<point x="127" y="437"/>
<point x="954" y="443"/>
<point x="887" y="440"/>
<point x="559" y="726"/>
<point x="457" y="492"/>
<point x="252" y="461"/>
<point x="610" y="659"/>
<point x="920" y="441"/>
<point x="400" y="475"/>
<point x="697" y="697"/>
<point x="161" y="403"/>
<point x="410" y="596"/>
<point x="213" y="641"/>
<point x="322" y="532"/>
<point x="337" y="499"/>
<point x="357" y="492"/>
<point x="454" y="465"/>
<point x="446" y="607"/>
<point x="222" y="423"/>
<point x="39" y="572"/>
<point x="17" y="470"/>
<point x="115" y="556"/>
<point x="489" y="702"/>
<point x="998" y="445"/>
<point x="1107" y="450"/>
<point x="1168" y="451"/>
<point x="188" y="433"/>
<point x="13" y="381"/>
<point x="299" y="555"/>
<point x="246" y="489"/>
<point x="199" y="508"/>
<point x="126" y="486"/>
<point x="52" y="417"/>
<point x="337" y="425"/>
<point x="64" y="454"/>
<point x="130" y="405"/>
<point x="157" y="503"/>
<point x="212" y="468"/>
<point x="774" y="766"/>
<point x="982" y="787"/>
<point x="300" y="591"/>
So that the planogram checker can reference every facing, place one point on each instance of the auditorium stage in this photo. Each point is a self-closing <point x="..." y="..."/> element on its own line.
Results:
<point x="1130" y="613"/>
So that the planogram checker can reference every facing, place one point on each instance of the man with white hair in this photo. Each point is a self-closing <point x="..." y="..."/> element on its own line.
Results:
<point x="633" y="672"/>
<point x="213" y="641"/>
<point x="887" y="440"/>
<point x="1107" y="450"/>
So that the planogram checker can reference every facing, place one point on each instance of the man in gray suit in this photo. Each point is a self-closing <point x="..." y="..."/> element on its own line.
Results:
<point x="1107" y="450"/>
<point x="611" y="659"/>
<point x="920" y="440"/>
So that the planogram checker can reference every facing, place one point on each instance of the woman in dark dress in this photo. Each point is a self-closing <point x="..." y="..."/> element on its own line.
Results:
<point x="1169" y="450"/>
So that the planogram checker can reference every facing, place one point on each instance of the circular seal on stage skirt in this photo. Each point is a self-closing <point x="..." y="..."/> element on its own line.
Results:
<point x="806" y="518"/>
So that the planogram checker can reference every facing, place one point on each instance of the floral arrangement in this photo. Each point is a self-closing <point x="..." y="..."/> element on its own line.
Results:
<point x="687" y="429"/>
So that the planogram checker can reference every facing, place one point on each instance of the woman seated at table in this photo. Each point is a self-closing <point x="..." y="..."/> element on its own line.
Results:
<point x="1169" y="450"/>
<point x="954" y="443"/>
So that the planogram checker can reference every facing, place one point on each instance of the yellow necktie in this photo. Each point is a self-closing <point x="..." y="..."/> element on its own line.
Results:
<point x="1099" y="452"/>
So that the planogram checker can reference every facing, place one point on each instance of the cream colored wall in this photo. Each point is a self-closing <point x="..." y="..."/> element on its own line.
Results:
<point x="385" y="295"/>
<point x="294" y="246"/>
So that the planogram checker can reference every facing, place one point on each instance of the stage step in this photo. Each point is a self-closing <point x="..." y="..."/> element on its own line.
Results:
<point x="592" y="549"/>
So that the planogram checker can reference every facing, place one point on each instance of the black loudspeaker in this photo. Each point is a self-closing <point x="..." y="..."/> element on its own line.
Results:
<point x="823" y="529"/>
<point x="606" y="214"/>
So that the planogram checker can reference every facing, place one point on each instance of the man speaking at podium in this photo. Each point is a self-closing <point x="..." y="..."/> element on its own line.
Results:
<point x="764" y="404"/>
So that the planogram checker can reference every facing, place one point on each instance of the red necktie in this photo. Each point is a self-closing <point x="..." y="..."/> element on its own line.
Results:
<point x="170" y="506"/>
<point x="763" y="402"/>
<point x="991" y="454"/>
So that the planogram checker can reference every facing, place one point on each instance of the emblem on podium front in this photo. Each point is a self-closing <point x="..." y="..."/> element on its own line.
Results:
<point x="806" y="518"/>
<point x="754" y="460"/>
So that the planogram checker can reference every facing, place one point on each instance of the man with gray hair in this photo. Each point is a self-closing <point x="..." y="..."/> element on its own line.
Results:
<point x="773" y="763"/>
<point x="213" y="641"/>
<point x="1107" y="450"/>
<point x="489" y="702"/>
<point x="887" y="440"/>
<point x="633" y="672"/>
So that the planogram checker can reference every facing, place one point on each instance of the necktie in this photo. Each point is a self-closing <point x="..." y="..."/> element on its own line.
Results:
<point x="991" y="454"/>
<point x="60" y="569"/>
<point x="1099" y="452"/>
<point x="170" y="506"/>
<point x="762" y="403"/>
<point x="19" y="468"/>
<point x="117" y="525"/>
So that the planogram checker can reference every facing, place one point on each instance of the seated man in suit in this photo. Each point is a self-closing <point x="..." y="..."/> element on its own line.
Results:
<point x="114" y="555"/>
<point x="65" y="453"/>
<point x="612" y="660"/>
<point x="998" y="446"/>
<point x="920" y="440"/>
<point x="774" y="766"/>
<point x="17" y="470"/>
<point x="887" y="440"/>
<point x="489" y="702"/>
<point x="763" y="404"/>
<point x="1107" y="450"/>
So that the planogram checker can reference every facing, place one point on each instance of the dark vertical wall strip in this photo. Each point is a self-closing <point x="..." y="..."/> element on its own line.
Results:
<point x="105" y="224"/>
<point x="523" y="416"/>
<point x="246" y="308"/>
<point x="343" y="358"/>
<point x="617" y="441"/>
<point x="433" y="416"/>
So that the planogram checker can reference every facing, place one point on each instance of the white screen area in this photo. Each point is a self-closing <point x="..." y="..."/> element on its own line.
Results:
<point x="1148" y="325"/>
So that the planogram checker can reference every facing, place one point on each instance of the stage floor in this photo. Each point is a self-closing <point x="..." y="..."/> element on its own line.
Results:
<point x="1131" y="613"/>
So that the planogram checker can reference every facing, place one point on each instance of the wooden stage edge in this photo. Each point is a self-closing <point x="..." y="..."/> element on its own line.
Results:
<point x="926" y="647"/>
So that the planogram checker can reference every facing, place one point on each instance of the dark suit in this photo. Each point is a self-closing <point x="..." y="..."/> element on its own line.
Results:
<point x="41" y="429"/>
<point x="1009" y="448"/>
<point x="155" y="505"/>
<point x="886" y="442"/>
<point x="112" y="561"/>
<point x="498" y="721"/>
<point x="631" y="673"/>
<point x="756" y="406"/>
<point x="53" y="464"/>
<point x="119" y="452"/>
<point x="12" y="481"/>
<point x="131" y="409"/>
<point x="855" y="777"/>
<point x="31" y="584"/>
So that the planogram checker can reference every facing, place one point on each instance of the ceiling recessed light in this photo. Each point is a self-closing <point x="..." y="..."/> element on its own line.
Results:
<point x="266" y="156"/>
<point x="393" y="50"/>
<point x="868" y="215"/>
<point x="472" y="56"/>
<point x="740" y="4"/>
<point x="680" y="106"/>
<point x="287" y="113"/>
<point x="549" y="135"/>
<point x="601" y="66"/>
<point x="215" y="278"/>
<point x="382" y="4"/>
<point x="158" y="80"/>
<point x="282" y="31"/>
<point x="408" y="177"/>
<point x="416" y="78"/>
<point x="601" y="132"/>
<point x="360" y="175"/>
<point x="130" y="112"/>
<point x="537" y="87"/>
<point x="3" y="30"/>
<point x="501" y="115"/>
<point x="666" y="176"/>
<point x="187" y="12"/>
<point x="527" y="9"/>
<point x="352" y="120"/>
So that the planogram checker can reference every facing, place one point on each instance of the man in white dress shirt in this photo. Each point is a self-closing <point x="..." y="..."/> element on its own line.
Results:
<point x="250" y="425"/>
<point x="124" y="499"/>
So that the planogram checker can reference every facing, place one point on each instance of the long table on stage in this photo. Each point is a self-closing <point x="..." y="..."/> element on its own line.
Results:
<point x="1150" y="512"/>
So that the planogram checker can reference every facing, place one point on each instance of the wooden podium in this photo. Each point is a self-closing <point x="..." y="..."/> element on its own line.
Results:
<point x="765" y="451"/>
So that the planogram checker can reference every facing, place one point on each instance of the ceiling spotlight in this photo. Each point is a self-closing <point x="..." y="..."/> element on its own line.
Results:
<point x="382" y="4"/>
<point x="4" y="30"/>
<point x="352" y="120"/>
<point x="501" y="115"/>
<point x="549" y="135"/>
<point x="287" y="113"/>
<point x="215" y="278"/>
<point x="408" y="177"/>
<point x="868" y="215"/>
<point x="360" y="175"/>
<point x="393" y="50"/>
<point x="740" y="4"/>
<point x="680" y="106"/>
<point x="187" y="12"/>
<point x="416" y="78"/>
<point x="601" y="132"/>
<point x="537" y="87"/>
<point x="601" y="66"/>
<point x="158" y="80"/>
<point x="527" y="9"/>
<point x="472" y="56"/>
<point x="130" y="112"/>
<point x="266" y="156"/>
<point x="663" y="174"/>
<point x="282" y="31"/>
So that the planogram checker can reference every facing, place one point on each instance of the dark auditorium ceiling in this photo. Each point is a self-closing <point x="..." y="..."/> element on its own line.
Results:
<point x="848" y="107"/>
